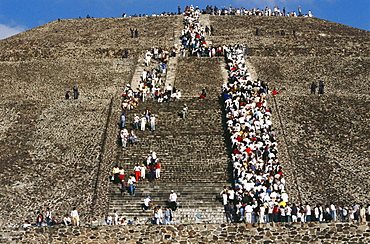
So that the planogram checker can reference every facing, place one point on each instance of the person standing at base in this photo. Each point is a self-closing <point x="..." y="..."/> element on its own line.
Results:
<point x="248" y="213"/>
<point x="308" y="213"/>
<point x="167" y="216"/>
<point x="228" y="209"/>
<point x="48" y="216"/>
<point x="39" y="219"/>
<point x="75" y="218"/>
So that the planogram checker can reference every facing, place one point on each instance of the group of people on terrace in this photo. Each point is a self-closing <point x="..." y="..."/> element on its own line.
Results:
<point x="276" y="11"/>
<point x="214" y="10"/>
<point x="193" y="38"/>
<point x="48" y="219"/>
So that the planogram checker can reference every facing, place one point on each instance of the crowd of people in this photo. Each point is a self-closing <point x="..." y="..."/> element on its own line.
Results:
<point x="152" y="84"/>
<point x="276" y="11"/>
<point x="258" y="190"/>
<point x="258" y="180"/>
<point x="150" y="169"/>
<point x="193" y="38"/>
<point x="214" y="10"/>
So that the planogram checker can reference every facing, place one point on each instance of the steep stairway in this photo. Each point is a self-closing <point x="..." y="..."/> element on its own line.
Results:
<point x="192" y="151"/>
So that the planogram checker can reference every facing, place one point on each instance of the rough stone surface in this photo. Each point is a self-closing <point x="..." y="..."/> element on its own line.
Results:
<point x="275" y="233"/>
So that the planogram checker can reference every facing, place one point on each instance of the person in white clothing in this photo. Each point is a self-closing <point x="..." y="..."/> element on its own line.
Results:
<point x="262" y="210"/>
<point x="308" y="213"/>
<point x="115" y="218"/>
<point x="172" y="200"/>
<point x="152" y="122"/>
<point x="124" y="137"/>
<point x="284" y="196"/>
<point x="143" y="123"/>
<point x="248" y="213"/>
<point x="158" y="215"/>
<point x="147" y="203"/>
<point x="75" y="218"/>
<point x="333" y="211"/>
<point x="67" y="220"/>
<point x="142" y="171"/>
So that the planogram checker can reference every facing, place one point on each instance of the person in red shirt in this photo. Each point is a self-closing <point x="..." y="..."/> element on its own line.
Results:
<point x="276" y="212"/>
<point x="157" y="170"/>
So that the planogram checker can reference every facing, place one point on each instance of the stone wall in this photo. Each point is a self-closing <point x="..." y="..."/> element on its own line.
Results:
<point x="211" y="233"/>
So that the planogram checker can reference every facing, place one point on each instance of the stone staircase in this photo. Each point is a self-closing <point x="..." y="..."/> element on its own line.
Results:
<point x="193" y="159"/>
<point x="192" y="151"/>
<point x="198" y="202"/>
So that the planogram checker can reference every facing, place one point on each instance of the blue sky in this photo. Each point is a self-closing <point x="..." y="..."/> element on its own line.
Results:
<point x="19" y="15"/>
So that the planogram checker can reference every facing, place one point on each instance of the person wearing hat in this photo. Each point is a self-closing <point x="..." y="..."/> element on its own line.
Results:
<point x="142" y="171"/>
<point x="131" y="183"/>
<point x="147" y="203"/>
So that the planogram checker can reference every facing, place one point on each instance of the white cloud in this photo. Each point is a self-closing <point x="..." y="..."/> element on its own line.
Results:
<point x="8" y="30"/>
